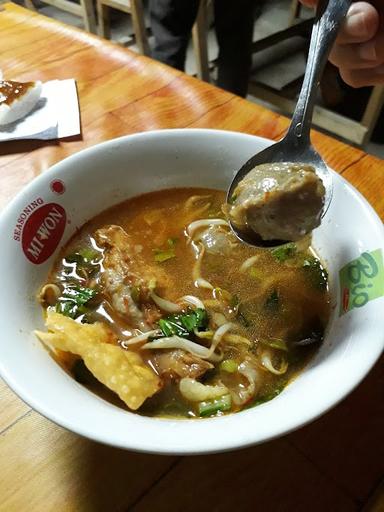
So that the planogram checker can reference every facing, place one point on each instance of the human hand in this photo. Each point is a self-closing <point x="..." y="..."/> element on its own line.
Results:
<point x="359" y="49"/>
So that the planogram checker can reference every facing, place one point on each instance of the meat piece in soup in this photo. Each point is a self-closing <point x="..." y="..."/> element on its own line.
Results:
<point x="191" y="322"/>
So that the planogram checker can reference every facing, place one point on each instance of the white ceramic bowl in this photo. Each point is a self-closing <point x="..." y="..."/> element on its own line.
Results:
<point x="85" y="184"/>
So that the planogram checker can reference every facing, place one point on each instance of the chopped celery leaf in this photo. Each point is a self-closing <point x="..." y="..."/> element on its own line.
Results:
<point x="172" y="242"/>
<point x="284" y="252"/>
<point x="171" y="326"/>
<point x="84" y="256"/>
<point x="210" y="407"/>
<point x="161" y="255"/>
<point x="317" y="274"/>
<point x="78" y="294"/>
<point x="73" y="301"/>
<point x="183" y="324"/>
<point x="229" y="365"/>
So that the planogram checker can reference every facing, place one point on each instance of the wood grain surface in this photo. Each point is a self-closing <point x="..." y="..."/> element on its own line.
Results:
<point x="334" y="464"/>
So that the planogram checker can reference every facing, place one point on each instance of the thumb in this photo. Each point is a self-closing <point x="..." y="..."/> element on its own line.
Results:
<point x="361" y="24"/>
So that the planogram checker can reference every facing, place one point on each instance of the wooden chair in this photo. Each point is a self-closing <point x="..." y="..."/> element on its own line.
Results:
<point x="199" y="38"/>
<point x="357" y="132"/>
<point x="295" y="11"/>
<point x="132" y="7"/>
<point x="84" y="10"/>
<point x="201" y="27"/>
<point x="136" y="10"/>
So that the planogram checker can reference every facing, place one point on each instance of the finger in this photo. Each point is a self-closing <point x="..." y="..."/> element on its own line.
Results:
<point x="361" y="24"/>
<point x="363" y="77"/>
<point x="359" y="56"/>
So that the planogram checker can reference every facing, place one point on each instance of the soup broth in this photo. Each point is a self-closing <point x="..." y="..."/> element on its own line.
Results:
<point x="192" y="322"/>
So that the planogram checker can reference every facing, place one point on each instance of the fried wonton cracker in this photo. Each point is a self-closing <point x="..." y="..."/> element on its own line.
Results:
<point x="121" y="371"/>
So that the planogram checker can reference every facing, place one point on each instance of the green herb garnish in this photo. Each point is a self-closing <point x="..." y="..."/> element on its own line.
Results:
<point x="284" y="252"/>
<point x="317" y="274"/>
<point x="210" y="407"/>
<point x="229" y="366"/>
<point x="73" y="301"/>
<point x="86" y="262"/>
<point x="84" y="257"/>
<point x="172" y="242"/>
<point x="184" y="324"/>
<point x="172" y="326"/>
<point x="162" y="255"/>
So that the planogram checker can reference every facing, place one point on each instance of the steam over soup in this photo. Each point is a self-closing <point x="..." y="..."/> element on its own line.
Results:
<point x="156" y="306"/>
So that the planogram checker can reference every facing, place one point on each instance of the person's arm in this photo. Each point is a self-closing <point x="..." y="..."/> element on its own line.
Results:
<point x="359" y="49"/>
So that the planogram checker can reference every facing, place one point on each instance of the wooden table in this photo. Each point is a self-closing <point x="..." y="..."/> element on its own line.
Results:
<point x="335" y="464"/>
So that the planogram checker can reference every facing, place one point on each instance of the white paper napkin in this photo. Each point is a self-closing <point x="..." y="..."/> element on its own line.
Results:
<point x="55" y="116"/>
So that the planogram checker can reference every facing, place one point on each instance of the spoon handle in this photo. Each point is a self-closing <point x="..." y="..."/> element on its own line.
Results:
<point x="328" y="20"/>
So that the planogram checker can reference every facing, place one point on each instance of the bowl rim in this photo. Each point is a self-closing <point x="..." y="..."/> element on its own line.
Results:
<point x="300" y="420"/>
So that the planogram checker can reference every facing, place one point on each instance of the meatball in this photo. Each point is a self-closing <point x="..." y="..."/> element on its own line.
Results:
<point x="278" y="201"/>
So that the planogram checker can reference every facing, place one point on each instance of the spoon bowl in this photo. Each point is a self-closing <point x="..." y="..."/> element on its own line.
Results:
<point x="281" y="152"/>
<point x="296" y="146"/>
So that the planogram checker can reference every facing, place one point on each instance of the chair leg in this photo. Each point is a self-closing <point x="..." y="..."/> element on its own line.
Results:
<point x="199" y="36"/>
<point x="138" y="22"/>
<point x="295" y="11"/>
<point x="372" y="111"/>
<point x="103" y="18"/>
<point x="89" y="16"/>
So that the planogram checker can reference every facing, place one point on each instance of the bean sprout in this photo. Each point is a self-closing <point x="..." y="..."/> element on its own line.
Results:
<point x="165" y="305"/>
<point x="212" y="303"/>
<point x="200" y="282"/>
<point x="249" y="262"/>
<point x="140" y="338"/>
<point x="49" y="294"/>
<point x="184" y="344"/>
<point x="204" y="335"/>
<point x="237" y="339"/>
<point x="191" y="299"/>
<point x="267" y="364"/>
<point x="218" y="318"/>
<point x="197" y="224"/>
<point x="190" y="202"/>
<point x="243" y="394"/>
<point x="218" y="336"/>
<point x="195" y="391"/>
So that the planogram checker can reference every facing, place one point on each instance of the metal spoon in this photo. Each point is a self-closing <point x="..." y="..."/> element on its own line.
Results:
<point x="296" y="145"/>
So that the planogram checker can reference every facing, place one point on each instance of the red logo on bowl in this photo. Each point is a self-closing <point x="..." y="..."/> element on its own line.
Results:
<point x="57" y="186"/>
<point x="42" y="232"/>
